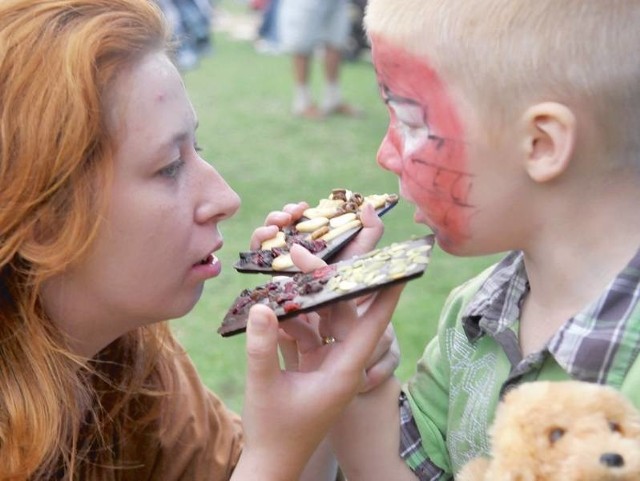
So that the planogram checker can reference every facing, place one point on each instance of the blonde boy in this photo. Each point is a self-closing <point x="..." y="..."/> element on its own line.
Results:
<point x="514" y="127"/>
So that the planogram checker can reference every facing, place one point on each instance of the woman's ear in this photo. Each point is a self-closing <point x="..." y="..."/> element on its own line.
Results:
<point x="550" y="137"/>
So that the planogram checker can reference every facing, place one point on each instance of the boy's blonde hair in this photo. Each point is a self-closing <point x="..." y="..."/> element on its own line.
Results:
<point x="504" y="55"/>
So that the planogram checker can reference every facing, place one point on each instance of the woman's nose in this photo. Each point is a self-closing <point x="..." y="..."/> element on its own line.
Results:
<point x="219" y="201"/>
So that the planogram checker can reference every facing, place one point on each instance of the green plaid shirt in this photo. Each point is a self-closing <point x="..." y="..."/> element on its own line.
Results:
<point x="448" y="405"/>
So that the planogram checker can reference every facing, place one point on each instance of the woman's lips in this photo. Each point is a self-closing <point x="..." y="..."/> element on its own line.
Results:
<point x="208" y="267"/>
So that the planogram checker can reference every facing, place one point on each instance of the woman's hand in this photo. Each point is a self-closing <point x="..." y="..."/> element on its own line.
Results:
<point x="287" y="413"/>
<point x="275" y="220"/>
<point x="303" y="341"/>
<point x="367" y="238"/>
<point x="386" y="356"/>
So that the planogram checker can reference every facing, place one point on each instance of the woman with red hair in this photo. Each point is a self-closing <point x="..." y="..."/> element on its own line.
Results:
<point x="108" y="227"/>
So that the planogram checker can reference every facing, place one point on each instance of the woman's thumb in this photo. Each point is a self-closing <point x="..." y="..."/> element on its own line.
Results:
<point x="262" y="345"/>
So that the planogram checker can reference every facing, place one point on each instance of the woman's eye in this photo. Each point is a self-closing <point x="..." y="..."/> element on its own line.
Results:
<point x="171" y="171"/>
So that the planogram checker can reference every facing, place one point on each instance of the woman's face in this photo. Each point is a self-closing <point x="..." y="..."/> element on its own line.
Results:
<point x="158" y="241"/>
<point x="447" y="166"/>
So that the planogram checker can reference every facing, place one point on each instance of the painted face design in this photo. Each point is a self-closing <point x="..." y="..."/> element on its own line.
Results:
<point x="424" y="144"/>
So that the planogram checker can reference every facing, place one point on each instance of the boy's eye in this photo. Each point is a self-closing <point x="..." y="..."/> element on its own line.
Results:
<point x="411" y="116"/>
<point x="171" y="171"/>
<point x="415" y="130"/>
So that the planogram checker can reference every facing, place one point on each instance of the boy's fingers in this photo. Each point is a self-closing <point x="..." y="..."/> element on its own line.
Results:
<point x="386" y="345"/>
<point x="262" y="345"/>
<point x="384" y="366"/>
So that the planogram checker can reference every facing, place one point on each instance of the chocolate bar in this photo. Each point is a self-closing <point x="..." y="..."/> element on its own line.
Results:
<point x="305" y="292"/>
<point x="323" y="230"/>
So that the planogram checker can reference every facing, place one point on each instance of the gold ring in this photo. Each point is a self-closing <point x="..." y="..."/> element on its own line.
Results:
<point x="328" y="340"/>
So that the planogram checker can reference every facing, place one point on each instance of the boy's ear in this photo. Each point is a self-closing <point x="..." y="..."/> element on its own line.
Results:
<point x="550" y="136"/>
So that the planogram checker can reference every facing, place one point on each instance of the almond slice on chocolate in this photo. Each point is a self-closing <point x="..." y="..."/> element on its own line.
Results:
<point x="278" y="241"/>
<point x="311" y="225"/>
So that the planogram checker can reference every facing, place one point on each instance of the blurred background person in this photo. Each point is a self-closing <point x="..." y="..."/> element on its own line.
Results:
<point x="304" y="28"/>
<point x="191" y="25"/>
<point x="267" y="34"/>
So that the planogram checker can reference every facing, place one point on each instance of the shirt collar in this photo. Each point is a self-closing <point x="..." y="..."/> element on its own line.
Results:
<point x="496" y="305"/>
<point x="596" y="342"/>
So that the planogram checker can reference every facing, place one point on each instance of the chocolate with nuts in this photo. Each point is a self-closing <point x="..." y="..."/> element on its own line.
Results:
<point x="304" y="292"/>
<point x="324" y="229"/>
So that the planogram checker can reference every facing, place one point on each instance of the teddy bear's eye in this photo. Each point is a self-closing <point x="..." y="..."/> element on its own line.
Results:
<point x="555" y="434"/>
<point x="615" y="427"/>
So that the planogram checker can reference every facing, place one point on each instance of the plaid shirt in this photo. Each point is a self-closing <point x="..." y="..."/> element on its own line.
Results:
<point x="598" y="345"/>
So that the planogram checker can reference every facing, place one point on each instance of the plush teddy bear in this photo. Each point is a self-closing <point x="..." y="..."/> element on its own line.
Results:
<point x="561" y="431"/>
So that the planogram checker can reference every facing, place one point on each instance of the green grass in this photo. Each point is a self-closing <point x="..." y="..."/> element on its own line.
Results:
<point x="270" y="158"/>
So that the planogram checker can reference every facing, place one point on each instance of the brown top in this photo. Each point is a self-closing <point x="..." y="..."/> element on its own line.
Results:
<point x="200" y="439"/>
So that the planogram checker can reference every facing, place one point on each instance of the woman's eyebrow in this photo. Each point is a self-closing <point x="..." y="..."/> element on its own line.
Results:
<point x="178" y="137"/>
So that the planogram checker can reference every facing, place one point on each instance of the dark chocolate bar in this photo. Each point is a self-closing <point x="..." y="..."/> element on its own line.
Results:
<point x="305" y="292"/>
<point x="323" y="230"/>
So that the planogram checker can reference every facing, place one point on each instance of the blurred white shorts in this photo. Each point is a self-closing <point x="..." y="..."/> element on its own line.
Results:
<point x="304" y="25"/>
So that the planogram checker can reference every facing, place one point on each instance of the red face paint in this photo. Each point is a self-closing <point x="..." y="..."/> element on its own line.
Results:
<point x="424" y="144"/>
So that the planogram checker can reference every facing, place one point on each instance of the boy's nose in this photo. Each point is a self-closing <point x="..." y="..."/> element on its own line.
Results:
<point x="388" y="157"/>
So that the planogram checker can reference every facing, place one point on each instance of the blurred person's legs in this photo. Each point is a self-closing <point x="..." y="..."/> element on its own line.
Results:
<point x="298" y="33"/>
<point x="267" y="41"/>
<point x="304" y="27"/>
<point x="334" y="35"/>
<point x="303" y="104"/>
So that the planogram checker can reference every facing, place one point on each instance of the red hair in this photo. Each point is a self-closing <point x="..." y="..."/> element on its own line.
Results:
<point x="58" y="60"/>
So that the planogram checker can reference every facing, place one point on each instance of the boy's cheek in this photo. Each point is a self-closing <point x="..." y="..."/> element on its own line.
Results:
<point x="440" y="191"/>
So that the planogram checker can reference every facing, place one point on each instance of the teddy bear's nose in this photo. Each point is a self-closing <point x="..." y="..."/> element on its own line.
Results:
<point x="612" y="460"/>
